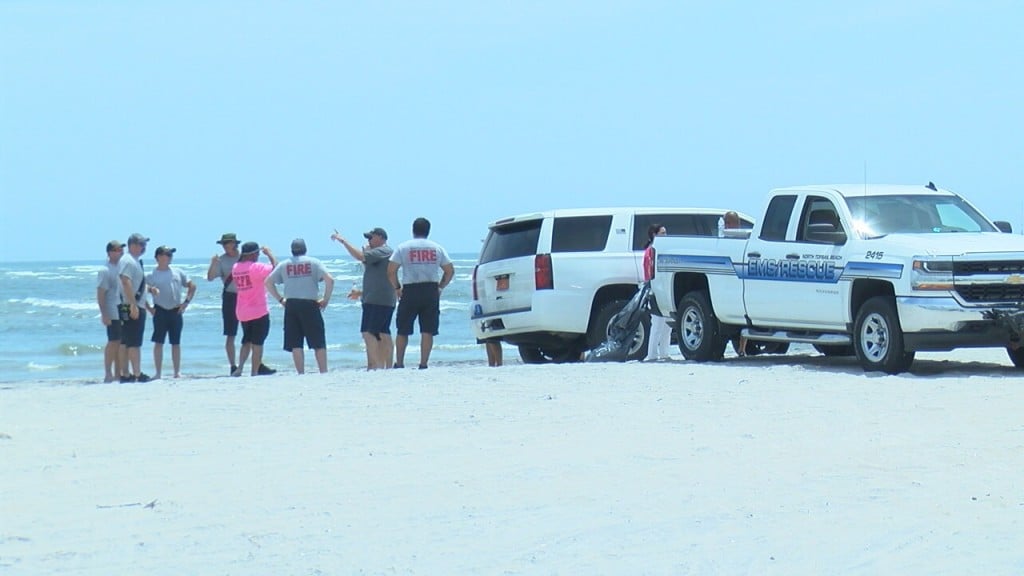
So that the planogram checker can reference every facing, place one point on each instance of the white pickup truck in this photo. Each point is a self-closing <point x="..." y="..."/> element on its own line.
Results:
<point x="876" y="271"/>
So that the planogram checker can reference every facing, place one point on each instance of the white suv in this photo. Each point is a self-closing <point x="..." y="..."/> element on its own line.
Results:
<point x="550" y="282"/>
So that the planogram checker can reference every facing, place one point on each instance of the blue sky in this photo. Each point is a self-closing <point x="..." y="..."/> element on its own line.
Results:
<point x="183" y="120"/>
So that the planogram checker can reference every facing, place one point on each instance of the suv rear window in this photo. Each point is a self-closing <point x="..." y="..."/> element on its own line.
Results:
<point x="511" y="241"/>
<point x="675" y="225"/>
<point x="580" y="233"/>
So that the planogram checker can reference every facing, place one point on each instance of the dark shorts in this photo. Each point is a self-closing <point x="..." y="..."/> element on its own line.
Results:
<point x="114" y="331"/>
<point x="303" y="320"/>
<point x="227" y="312"/>
<point x="421" y="300"/>
<point x="255" y="331"/>
<point x="167" y="324"/>
<point x="133" y="331"/>
<point x="376" y="319"/>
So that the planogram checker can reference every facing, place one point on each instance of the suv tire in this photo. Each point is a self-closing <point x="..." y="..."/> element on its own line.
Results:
<point x="598" y="332"/>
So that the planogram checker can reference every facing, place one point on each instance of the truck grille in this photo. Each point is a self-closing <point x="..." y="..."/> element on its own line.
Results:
<point x="990" y="267"/>
<point x="991" y="292"/>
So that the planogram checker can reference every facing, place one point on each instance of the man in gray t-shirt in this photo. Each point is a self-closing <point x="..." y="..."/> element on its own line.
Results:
<point x="303" y="307"/>
<point x="378" y="296"/>
<point x="108" y="297"/>
<point x="133" y="284"/>
<point x="220" y="269"/>
<point x="426" y="271"/>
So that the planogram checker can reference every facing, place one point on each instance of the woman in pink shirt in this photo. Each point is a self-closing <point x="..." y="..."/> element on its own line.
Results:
<point x="251" y="307"/>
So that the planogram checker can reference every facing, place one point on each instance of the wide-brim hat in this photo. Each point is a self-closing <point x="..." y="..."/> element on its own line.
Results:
<point x="229" y="237"/>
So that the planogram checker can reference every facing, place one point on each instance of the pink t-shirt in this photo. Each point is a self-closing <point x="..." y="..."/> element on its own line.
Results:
<point x="252" y="295"/>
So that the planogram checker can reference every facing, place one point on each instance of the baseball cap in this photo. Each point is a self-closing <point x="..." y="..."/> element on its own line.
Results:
<point x="165" y="250"/>
<point x="137" y="238"/>
<point x="229" y="237"/>
<point x="114" y="246"/>
<point x="378" y="231"/>
<point x="250" y="248"/>
<point x="298" y="246"/>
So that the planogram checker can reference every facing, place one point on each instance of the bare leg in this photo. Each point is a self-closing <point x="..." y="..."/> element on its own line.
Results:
<point x="426" y="343"/>
<point x="242" y="357"/>
<point x="372" y="354"/>
<point x="110" y="363"/>
<point x="122" y="360"/>
<point x="321" y="359"/>
<point x="229" y="349"/>
<point x="299" y="358"/>
<point x="135" y="359"/>
<point x="257" y="358"/>
<point x="176" y="359"/>
<point x="158" y="358"/>
<point x="387" y="351"/>
<point x="400" y="344"/>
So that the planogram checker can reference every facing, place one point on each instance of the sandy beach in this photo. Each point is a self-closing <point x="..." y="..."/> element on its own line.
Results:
<point x="765" y="465"/>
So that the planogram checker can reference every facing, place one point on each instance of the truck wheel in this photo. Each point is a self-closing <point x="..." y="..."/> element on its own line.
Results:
<point x="602" y="321"/>
<point x="1016" y="356"/>
<point x="878" y="338"/>
<point x="700" y="338"/>
<point x="547" y="355"/>
<point x="833" y="351"/>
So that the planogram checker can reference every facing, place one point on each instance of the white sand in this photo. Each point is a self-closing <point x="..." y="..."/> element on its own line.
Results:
<point x="771" y="465"/>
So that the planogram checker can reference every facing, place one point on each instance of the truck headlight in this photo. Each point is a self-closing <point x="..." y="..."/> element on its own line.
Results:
<point x="932" y="274"/>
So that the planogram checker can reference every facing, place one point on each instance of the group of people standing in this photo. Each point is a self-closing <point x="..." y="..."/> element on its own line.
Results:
<point x="123" y="291"/>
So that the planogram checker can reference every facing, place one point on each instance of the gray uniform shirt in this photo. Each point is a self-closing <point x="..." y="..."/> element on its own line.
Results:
<point x="421" y="260"/>
<point x="226" y="263"/>
<point x="301" y="276"/>
<point x="132" y="269"/>
<point x="376" y="287"/>
<point x="170" y="283"/>
<point x="109" y="279"/>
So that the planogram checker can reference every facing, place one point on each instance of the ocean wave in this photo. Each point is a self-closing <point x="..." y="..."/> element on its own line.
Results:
<point x="76" y="349"/>
<point x="47" y="275"/>
<point x="37" y="367"/>
<point x="62" y="304"/>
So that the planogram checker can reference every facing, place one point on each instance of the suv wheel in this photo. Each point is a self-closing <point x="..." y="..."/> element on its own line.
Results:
<point x="599" y="329"/>
<point x="547" y="355"/>
<point x="878" y="338"/>
<point x="700" y="338"/>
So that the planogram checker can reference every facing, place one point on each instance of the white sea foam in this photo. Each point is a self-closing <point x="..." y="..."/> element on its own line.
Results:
<point x="37" y="367"/>
<point x="62" y="304"/>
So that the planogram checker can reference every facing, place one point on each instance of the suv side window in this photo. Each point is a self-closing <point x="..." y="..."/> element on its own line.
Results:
<point x="511" y="241"/>
<point x="675" y="225"/>
<point x="776" y="219"/>
<point x="580" y="233"/>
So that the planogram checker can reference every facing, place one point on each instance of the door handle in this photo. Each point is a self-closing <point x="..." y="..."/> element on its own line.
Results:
<point x="792" y="256"/>
<point x="753" y="254"/>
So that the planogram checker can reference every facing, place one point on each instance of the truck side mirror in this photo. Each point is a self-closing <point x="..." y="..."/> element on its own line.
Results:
<point x="1004" y="226"/>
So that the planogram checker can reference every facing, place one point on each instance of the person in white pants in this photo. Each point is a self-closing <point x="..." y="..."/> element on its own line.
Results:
<point x="661" y="335"/>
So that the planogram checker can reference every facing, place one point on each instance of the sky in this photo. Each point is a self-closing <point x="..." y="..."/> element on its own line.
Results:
<point x="276" y="120"/>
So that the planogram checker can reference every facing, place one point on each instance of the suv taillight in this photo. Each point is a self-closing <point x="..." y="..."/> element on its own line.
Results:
<point x="542" y="275"/>
<point x="474" y="282"/>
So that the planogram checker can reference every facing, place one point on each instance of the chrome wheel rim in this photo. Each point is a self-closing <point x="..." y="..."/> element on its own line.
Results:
<point x="874" y="337"/>
<point x="692" y="329"/>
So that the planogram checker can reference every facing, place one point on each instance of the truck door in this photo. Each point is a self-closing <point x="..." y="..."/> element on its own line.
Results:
<point x="792" y="271"/>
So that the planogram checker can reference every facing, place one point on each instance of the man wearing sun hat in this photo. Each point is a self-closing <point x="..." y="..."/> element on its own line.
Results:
<point x="220" y="267"/>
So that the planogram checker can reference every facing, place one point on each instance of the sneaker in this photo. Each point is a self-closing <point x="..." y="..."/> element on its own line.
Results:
<point x="423" y="366"/>
<point x="265" y="370"/>
<point x="127" y="379"/>
<point x="233" y="370"/>
<point x="236" y="372"/>
<point x="397" y="366"/>
<point x="142" y="377"/>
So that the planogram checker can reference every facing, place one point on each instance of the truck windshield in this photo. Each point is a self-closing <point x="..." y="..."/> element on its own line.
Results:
<point x="875" y="216"/>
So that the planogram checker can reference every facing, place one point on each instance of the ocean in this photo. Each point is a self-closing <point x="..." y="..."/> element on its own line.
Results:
<point x="51" y="330"/>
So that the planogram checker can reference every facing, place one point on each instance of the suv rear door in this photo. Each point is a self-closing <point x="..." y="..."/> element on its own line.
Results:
<point x="505" y="275"/>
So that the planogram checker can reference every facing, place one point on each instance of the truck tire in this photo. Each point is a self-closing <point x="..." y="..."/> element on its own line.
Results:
<point x="700" y="336"/>
<point x="1016" y="356"/>
<point x="603" y="319"/>
<point x="548" y="355"/>
<point x="878" y="337"/>
<point x="833" y="351"/>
